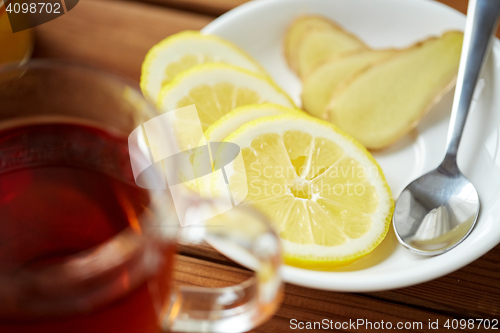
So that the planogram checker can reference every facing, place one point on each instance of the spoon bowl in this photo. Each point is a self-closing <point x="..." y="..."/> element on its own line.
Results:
<point x="436" y="211"/>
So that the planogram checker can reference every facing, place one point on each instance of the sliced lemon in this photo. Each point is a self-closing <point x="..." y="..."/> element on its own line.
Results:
<point x="324" y="193"/>
<point x="233" y="120"/>
<point x="216" y="89"/>
<point x="226" y="125"/>
<point x="182" y="51"/>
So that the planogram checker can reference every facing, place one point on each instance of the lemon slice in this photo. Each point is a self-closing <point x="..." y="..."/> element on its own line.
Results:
<point x="324" y="193"/>
<point x="182" y="51"/>
<point x="226" y="125"/>
<point x="216" y="89"/>
<point x="233" y="120"/>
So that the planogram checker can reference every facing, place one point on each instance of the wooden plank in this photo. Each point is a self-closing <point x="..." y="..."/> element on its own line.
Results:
<point x="461" y="6"/>
<point x="112" y="35"/>
<point x="196" y="272"/>
<point x="469" y="292"/>
<point x="210" y="7"/>
<point x="452" y="294"/>
<point x="301" y="303"/>
<point x="207" y="253"/>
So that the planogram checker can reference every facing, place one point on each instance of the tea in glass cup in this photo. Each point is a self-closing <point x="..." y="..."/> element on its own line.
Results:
<point x="83" y="247"/>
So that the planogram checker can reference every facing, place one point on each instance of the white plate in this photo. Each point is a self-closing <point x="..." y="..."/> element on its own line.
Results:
<point x="259" y="26"/>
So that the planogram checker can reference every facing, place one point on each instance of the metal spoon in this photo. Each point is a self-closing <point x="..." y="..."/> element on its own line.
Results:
<point x="438" y="210"/>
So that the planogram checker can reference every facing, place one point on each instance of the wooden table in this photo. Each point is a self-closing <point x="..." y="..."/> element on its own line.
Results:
<point x="115" y="36"/>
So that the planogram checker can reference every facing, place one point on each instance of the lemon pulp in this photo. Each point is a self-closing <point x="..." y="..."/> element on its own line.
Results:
<point x="325" y="195"/>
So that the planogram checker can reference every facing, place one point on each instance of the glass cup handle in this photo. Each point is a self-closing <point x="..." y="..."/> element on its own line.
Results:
<point x="243" y="235"/>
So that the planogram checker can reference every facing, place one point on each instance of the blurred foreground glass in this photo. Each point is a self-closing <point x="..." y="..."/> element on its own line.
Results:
<point x="14" y="47"/>
<point x="82" y="247"/>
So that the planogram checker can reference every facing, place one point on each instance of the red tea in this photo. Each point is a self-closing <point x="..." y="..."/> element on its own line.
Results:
<point x="66" y="188"/>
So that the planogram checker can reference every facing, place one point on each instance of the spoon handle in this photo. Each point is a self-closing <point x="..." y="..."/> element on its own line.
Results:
<point x="482" y="20"/>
